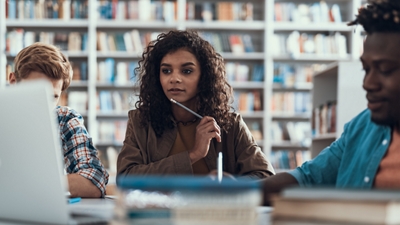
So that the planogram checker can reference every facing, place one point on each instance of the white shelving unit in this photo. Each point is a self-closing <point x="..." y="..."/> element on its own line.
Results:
<point x="261" y="29"/>
<point x="340" y="81"/>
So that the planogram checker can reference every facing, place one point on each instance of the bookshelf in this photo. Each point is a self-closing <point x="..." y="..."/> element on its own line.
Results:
<point x="288" y="21"/>
<point x="99" y="21"/>
<point x="336" y="83"/>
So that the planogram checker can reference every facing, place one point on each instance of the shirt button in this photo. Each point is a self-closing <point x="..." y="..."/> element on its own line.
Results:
<point x="366" y="179"/>
<point x="384" y="142"/>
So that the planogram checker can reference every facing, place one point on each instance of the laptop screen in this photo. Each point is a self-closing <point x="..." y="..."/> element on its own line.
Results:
<point x="31" y="165"/>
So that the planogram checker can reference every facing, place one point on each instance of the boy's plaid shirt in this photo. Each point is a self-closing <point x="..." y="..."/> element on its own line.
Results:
<point x="80" y="156"/>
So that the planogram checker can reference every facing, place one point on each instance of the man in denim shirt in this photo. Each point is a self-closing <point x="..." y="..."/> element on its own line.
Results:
<point x="367" y="155"/>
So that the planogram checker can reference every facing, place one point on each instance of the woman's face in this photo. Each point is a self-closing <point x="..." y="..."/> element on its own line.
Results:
<point x="179" y="76"/>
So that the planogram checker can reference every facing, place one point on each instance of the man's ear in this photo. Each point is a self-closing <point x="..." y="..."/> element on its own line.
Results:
<point x="11" y="78"/>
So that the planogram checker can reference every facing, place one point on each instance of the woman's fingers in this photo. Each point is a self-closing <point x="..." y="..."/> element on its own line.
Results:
<point x="208" y="125"/>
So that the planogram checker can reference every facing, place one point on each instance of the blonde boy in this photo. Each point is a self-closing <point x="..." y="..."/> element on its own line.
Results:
<point x="86" y="174"/>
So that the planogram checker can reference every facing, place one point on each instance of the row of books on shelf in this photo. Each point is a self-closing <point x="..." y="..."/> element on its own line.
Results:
<point x="76" y="100"/>
<point x="221" y="11"/>
<point x="291" y="102"/>
<point x="324" y="119"/>
<point x="108" y="102"/>
<point x="295" y="132"/>
<point x="289" y="159"/>
<point x="243" y="72"/>
<point x="79" y="71"/>
<point x="317" y="12"/>
<point x="229" y="42"/>
<point x="108" y="156"/>
<point x="131" y="41"/>
<point x="294" y="75"/>
<point x="46" y="9"/>
<point x="297" y="43"/>
<point x="135" y="41"/>
<point x="255" y="129"/>
<point x="119" y="73"/>
<point x="143" y="10"/>
<point x="116" y="101"/>
<point x="111" y="131"/>
<point x="17" y="39"/>
<point x="247" y="101"/>
<point x="147" y="10"/>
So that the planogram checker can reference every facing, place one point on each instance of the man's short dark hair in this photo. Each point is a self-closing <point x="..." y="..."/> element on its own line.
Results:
<point x="379" y="16"/>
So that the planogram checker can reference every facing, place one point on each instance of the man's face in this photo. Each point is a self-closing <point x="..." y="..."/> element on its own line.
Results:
<point x="57" y="84"/>
<point x="381" y="62"/>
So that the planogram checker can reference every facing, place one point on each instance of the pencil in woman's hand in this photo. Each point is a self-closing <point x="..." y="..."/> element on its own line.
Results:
<point x="189" y="110"/>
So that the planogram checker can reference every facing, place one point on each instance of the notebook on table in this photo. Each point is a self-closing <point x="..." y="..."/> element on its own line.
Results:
<point x="32" y="184"/>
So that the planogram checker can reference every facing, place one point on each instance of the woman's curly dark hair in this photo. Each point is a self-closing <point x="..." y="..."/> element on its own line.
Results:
<point x="214" y="97"/>
<point x="379" y="16"/>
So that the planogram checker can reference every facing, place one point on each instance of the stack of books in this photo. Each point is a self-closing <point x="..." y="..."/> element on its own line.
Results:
<point x="328" y="205"/>
<point x="187" y="200"/>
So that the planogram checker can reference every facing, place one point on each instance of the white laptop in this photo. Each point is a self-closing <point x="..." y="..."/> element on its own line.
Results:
<point x="32" y="183"/>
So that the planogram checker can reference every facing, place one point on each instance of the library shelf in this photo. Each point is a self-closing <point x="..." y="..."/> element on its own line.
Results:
<point x="323" y="27"/>
<point x="136" y="24"/>
<point x="246" y="85"/>
<point x="252" y="115"/>
<point x="113" y="86"/>
<point x="313" y="58"/>
<point x="119" y="54"/>
<point x="334" y="85"/>
<point x="261" y="28"/>
<point x="68" y="54"/>
<point x="243" y="56"/>
<point x="78" y="84"/>
<point x="330" y="70"/>
<point x="291" y="116"/>
<point x="327" y="136"/>
<point x="226" y="25"/>
<point x="277" y="88"/>
<point x="48" y="23"/>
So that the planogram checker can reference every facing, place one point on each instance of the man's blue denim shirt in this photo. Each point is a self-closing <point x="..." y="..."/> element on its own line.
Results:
<point x="352" y="161"/>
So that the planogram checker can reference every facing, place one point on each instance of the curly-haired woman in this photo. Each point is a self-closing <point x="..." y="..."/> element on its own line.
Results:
<point x="163" y="138"/>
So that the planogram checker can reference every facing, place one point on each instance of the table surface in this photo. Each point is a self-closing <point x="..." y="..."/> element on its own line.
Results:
<point x="104" y="208"/>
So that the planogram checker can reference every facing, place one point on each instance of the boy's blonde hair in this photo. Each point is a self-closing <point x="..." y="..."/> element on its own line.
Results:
<point x="43" y="58"/>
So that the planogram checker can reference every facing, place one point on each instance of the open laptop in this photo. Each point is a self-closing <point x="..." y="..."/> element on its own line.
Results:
<point x="32" y="183"/>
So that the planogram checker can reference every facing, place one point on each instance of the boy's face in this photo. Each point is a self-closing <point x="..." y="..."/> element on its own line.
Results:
<point x="381" y="62"/>
<point x="57" y="84"/>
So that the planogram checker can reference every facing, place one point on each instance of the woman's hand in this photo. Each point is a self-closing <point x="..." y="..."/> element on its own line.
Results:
<point x="205" y="131"/>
